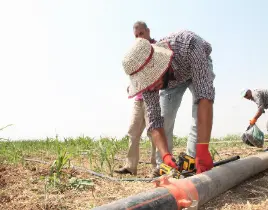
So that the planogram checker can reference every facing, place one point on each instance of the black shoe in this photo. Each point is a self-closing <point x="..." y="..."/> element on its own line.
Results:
<point x="155" y="173"/>
<point x="123" y="171"/>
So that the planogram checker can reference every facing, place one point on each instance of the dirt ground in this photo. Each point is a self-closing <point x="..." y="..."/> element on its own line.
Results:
<point x="21" y="187"/>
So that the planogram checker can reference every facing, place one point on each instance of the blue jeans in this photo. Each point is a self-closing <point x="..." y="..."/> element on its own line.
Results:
<point x="170" y="101"/>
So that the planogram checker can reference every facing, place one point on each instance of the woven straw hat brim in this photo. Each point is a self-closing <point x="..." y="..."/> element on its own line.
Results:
<point x="152" y="72"/>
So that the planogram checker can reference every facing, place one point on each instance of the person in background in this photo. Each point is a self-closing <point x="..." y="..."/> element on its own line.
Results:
<point x="139" y="119"/>
<point x="260" y="97"/>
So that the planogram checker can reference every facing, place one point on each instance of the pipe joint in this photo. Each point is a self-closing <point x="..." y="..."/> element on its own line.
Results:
<point x="182" y="190"/>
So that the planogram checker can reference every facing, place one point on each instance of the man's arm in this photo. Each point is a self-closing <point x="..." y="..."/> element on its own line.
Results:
<point x="259" y="102"/>
<point x="156" y="125"/>
<point x="202" y="77"/>
<point x="160" y="140"/>
<point x="156" y="121"/>
<point x="257" y="115"/>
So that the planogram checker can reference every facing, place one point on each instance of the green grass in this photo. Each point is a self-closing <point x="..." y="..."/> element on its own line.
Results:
<point x="104" y="149"/>
<point x="100" y="153"/>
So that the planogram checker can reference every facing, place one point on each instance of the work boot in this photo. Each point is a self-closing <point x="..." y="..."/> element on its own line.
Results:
<point x="125" y="171"/>
<point x="155" y="173"/>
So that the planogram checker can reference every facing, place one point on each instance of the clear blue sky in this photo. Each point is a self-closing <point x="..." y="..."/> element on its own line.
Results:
<point x="61" y="68"/>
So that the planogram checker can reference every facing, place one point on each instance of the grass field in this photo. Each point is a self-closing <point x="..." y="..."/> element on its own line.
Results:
<point x="27" y="184"/>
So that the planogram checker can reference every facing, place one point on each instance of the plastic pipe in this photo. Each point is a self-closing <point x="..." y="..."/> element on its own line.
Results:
<point x="192" y="192"/>
<point x="220" y="179"/>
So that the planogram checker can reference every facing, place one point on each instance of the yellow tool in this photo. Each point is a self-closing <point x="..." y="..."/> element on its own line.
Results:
<point x="186" y="166"/>
<point x="168" y="170"/>
<point x="185" y="162"/>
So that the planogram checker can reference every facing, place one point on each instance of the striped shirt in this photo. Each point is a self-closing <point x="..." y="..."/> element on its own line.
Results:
<point x="260" y="97"/>
<point x="190" y="62"/>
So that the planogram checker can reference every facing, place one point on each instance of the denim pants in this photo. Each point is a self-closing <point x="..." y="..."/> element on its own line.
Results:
<point x="170" y="101"/>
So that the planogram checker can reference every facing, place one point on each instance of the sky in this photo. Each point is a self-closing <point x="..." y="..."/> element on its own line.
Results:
<point x="61" y="63"/>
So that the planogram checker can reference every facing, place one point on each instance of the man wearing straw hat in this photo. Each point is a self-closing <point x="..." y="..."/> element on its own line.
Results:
<point x="177" y="59"/>
<point x="142" y="31"/>
<point x="140" y="119"/>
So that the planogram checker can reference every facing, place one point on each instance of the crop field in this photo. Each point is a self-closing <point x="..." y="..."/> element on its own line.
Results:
<point x="54" y="174"/>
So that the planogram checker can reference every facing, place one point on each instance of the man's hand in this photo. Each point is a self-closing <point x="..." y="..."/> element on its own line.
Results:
<point x="253" y="121"/>
<point x="160" y="141"/>
<point x="203" y="158"/>
<point x="169" y="160"/>
<point x="205" y="114"/>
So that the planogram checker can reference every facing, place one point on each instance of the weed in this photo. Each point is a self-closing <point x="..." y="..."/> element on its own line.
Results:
<point x="107" y="151"/>
<point x="214" y="152"/>
<point x="56" y="169"/>
<point x="179" y="141"/>
<point x="58" y="178"/>
<point x="80" y="183"/>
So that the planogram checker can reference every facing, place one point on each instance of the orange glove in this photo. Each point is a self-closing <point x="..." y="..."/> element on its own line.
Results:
<point x="169" y="160"/>
<point x="253" y="121"/>
<point x="203" y="160"/>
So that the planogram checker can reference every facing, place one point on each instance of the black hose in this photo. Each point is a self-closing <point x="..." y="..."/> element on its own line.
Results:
<point x="139" y="161"/>
<point x="111" y="178"/>
<point x="99" y="174"/>
<point x="185" y="174"/>
<point x="221" y="162"/>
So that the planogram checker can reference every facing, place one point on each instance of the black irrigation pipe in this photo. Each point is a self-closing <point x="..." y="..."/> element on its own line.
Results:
<point x="99" y="174"/>
<point x="139" y="161"/>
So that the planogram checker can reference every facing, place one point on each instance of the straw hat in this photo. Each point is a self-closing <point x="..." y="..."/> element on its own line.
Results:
<point x="146" y="63"/>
